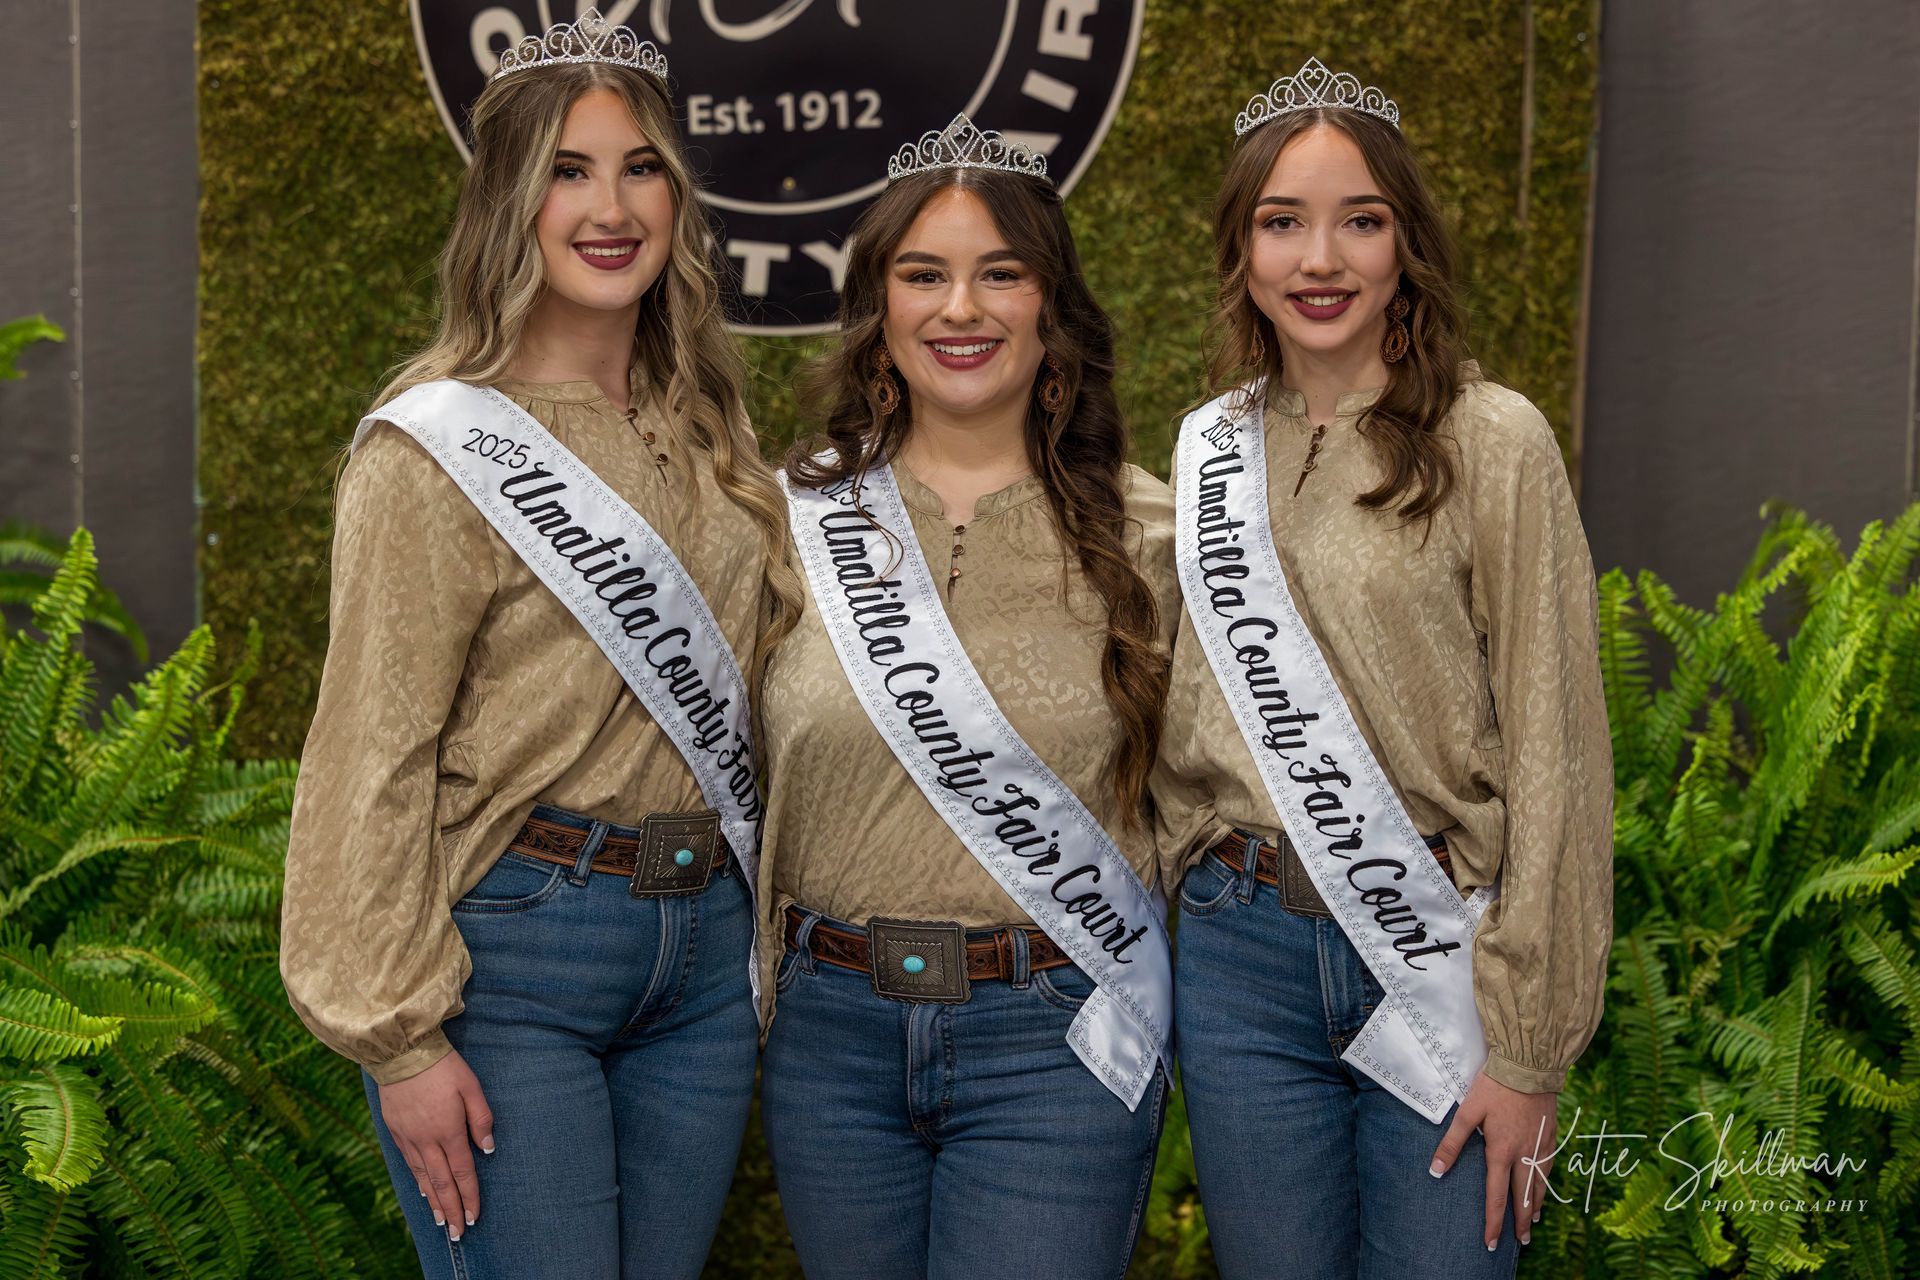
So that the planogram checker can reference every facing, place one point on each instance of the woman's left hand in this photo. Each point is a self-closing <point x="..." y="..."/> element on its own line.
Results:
<point x="1519" y="1129"/>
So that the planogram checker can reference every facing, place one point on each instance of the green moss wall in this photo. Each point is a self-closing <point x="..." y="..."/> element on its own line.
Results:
<point x="328" y="182"/>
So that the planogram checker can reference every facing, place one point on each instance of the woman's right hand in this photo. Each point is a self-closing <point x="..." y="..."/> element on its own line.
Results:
<point x="430" y="1116"/>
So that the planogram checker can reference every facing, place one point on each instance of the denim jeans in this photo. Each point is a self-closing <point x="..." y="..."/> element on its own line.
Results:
<point x="1307" y="1168"/>
<point x="949" y="1140"/>
<point x="614" y="1038"/>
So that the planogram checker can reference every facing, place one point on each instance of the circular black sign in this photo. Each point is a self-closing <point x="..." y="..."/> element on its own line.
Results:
<point x="791" y="107"/>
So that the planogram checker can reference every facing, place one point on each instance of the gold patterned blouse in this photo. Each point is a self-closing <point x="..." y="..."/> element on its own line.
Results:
<point x="848" y="833"/>
<point x="458" y="692"/>
<point x="1470" y="657"/>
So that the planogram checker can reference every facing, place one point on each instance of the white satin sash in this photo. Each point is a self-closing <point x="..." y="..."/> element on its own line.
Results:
<point x="1410" y="925"/>
<point x="613" y="572"/>
<point x="1024" y="825"/>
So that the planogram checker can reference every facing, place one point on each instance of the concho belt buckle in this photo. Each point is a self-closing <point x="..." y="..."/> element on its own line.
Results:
<point x="676" y="854"/>
<point x="919" y="961"/>
<point x="1297" y="892"/>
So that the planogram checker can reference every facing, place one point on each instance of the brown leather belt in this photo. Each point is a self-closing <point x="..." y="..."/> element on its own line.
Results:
<point x="989" y="953"/>
<point x="669" y="854"/>
<point x="1281" y="868"/>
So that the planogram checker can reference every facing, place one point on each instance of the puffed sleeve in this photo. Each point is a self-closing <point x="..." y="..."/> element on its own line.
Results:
<point x="1541" y="952"/>
<point x="369" y="952"/>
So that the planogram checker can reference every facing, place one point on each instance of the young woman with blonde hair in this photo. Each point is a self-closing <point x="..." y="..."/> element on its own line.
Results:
<point x="524" y="839"/>
<point x="1387" y="752"/>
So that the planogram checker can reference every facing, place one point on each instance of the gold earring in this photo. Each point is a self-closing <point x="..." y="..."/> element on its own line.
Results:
<point x="1259" y="347"/>
<point x="1395" y="347"/>
<point x="1053" y="389"/>
<point x="885" y="391"/>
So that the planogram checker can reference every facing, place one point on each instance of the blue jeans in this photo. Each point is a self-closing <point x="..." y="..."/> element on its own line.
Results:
<point x="1307" y="1168"/>
<point x="931" y="1140"/>
<point x="614" y="1037"/>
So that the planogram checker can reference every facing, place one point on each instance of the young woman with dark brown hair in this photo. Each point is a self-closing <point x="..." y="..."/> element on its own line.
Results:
<point x="964" y="1073"/>
<point x="1387" y="753"/>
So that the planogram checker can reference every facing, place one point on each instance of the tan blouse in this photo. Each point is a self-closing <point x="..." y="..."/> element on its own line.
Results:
<point x="458" y="691"/>
<point x="848" y="833"/>
<point x="1471" y="662"/>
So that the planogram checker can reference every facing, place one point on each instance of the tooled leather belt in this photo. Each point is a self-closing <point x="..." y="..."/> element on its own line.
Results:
<point x="989" y="953"/>
<point x="668" y="855"/>
<point x="1281" y="868"/>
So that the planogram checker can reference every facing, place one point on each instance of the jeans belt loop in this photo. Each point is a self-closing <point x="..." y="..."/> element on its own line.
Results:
<point x="1249" y="865"/>
<point x="1022" y="957"/>
<point x="802" y="938"/>
<point x="583" y="866"/>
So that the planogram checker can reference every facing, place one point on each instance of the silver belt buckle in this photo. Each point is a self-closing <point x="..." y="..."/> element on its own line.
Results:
<point x="676" y="854"/>
<point x="1297" y="891"/>
<point x="919" y="961"/>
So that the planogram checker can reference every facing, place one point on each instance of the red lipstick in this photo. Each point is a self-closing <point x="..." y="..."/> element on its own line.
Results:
<point x="605" y="261"/>
<point x="974" y="356"/>
<point x="1312" y="312"/>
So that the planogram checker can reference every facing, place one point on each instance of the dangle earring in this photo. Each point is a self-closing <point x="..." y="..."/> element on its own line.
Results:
<point x="1053" y="388"/>
<point x="885" y="390"/>
<point x="1259" y="347"/>
<point x="1395" y="347"/>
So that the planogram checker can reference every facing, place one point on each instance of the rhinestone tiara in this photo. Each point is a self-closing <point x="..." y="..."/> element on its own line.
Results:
<point x="591" y="38"/>
<point x="1314" y="86"/>
<point x="964" y="145"/>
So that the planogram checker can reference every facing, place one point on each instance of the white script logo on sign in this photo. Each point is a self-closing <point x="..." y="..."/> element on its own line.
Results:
<point x="791" y="108"/>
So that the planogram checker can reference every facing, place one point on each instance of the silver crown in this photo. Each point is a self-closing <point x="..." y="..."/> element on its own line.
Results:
<point x="964" y="145"/>
<point x="589" y="39"/>
<point x="1314" y="86"/>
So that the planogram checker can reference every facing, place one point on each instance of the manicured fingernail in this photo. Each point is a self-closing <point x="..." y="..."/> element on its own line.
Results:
<point x="1436" y="1168"/>
<point x="438" y="1219"/>
<point x="1492" y="1245"/>
<point x="469" y="1219"/>
<point x="1527" y="1239"/>
<point x="486" y="1144"/>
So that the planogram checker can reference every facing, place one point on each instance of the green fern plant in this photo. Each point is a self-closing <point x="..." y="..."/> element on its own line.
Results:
<point x="1765" y="967"/>
<point x="162" y="1113"/>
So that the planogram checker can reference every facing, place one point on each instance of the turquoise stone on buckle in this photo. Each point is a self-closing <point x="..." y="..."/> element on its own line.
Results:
<point x="913" y="964"/>
<point x="683" y="858"/>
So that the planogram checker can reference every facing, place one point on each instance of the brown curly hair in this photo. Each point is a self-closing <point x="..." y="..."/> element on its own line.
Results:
<point x="1078" y="452"/>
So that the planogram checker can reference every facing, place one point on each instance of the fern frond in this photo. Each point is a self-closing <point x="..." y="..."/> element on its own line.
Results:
<point x="64" y="1126"/>
<point x="42" y="1236"/>
<point x="1887" y="962"/>
<point x="37" y="1026"/>
<point x="1840" y="878"/>
<point x="117" y="839"/>
<point x="156" y="1213"/>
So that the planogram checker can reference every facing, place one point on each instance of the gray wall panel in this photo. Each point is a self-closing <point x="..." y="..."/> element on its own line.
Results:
<point x="98" y="201"/>
<point x="140" y="188"/>
<point x="1753" y="298"/>
<point x="38" y="480"/>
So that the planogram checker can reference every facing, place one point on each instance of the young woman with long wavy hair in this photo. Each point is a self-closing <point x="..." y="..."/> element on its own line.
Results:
<point x="1386" y="703"/>
<point x="501" y="859"/>
<point x="924" y="1121"/>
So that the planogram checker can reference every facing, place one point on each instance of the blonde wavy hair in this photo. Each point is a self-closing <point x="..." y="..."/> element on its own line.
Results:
<point x="491" y="274"/>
